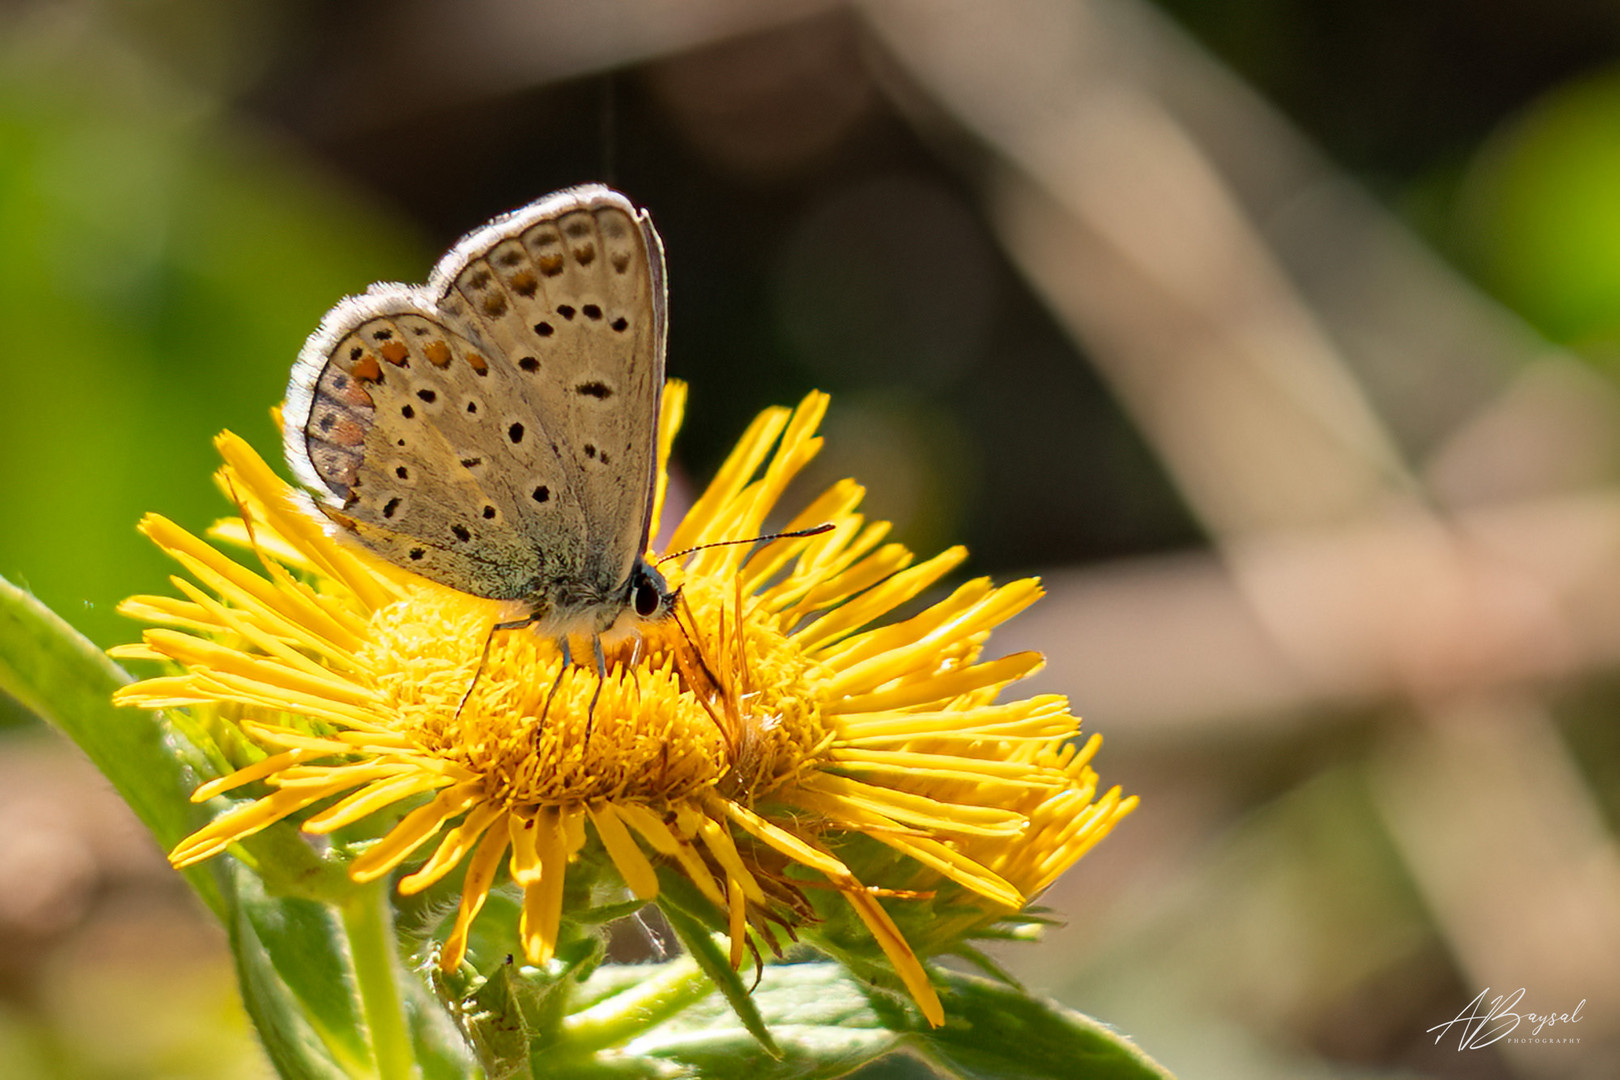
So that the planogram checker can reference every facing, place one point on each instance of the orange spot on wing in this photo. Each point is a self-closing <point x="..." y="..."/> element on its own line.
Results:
<point x="366" y="369"/>
<point x="438" y="354"/>
<point x="551" y="265"/>
<point x="352" y="393"/>
<point x="524" y="283"/>
<point x="346" y="433"/>
<point x="477" y="363"/>
<point x="395" y="353"/>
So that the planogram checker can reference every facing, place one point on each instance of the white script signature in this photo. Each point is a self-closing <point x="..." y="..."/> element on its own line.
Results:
<point x="1484" y="1024"/>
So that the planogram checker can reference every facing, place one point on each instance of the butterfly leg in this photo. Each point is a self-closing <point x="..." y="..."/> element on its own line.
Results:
<point x="567" y="662"/>
<point x="483" y="657"/>
<point x="601" y="677"/>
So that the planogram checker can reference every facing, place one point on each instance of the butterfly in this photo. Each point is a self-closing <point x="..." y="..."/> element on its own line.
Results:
<point x="495" y="430"/>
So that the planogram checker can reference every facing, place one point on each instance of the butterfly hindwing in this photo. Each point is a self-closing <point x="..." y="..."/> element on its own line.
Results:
<point x="494" y="431"/>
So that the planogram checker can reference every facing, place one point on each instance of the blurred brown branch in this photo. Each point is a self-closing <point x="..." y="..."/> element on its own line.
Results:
<point x="1506" y="597"/>
<point x="1340" y="578"/>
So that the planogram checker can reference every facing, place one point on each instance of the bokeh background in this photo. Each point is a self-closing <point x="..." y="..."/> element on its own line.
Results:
<point x="1280" y="337"/>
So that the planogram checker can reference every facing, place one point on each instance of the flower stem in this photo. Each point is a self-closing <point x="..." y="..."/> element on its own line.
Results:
<point x="367" y="921"/>
<point x="643" y="1006"/>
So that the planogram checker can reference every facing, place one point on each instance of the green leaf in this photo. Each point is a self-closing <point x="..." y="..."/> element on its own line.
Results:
<point x="828" y="1024"/>
<point x="698" y="942"/>
<point x="494" y="1023"/>
<point x="901" y="1065"/>
<point x="603" y="914"/>
<point x="985" y="963"/>
<point x="293" y="1045"/>
<point x="997" y="1032"/>
<point x="822" y="1021"/>
<point x="297" y="962"/>
<point x="441" y="1050"/>
<point x="610" y="1068"/>
<point x="297" y="980"/>
<point x="62" y="676"/>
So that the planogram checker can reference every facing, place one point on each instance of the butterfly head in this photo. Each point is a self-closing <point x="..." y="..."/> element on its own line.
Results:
<point x="650" y="596"/>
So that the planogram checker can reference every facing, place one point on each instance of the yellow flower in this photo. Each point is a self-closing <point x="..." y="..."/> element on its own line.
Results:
<point x="746" y="741"/>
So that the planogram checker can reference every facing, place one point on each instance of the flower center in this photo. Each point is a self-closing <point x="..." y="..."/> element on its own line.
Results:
<point x="707" y="700"/>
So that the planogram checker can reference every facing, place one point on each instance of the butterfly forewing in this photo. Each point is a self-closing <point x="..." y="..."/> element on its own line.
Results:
<point x="573" y="302"/>
<point x="495" y="431"/>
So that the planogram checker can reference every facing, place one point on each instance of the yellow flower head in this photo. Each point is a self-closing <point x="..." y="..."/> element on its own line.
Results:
<point x="749" y="741"/>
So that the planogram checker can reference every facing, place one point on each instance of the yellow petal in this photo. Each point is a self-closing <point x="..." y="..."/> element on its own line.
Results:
<point x="898" y="589"/>
<point x="894" y="946"/>
<point x="633" y="867"/>
<point x="454" y="847"/>
<point x="372" y="798"/>
<point x="930" y="689"/>
<point x="542" y="900"/>
<point x="474" y="891"/>
<point x="413" y="830"/>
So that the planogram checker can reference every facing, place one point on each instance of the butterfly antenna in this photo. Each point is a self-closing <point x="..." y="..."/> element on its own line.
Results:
<point x="793" y="535"/>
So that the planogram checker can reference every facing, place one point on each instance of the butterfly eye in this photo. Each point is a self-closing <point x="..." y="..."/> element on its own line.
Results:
<point x="647" y="599"/>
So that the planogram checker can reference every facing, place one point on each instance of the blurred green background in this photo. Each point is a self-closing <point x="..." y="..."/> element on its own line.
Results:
<point x="185" y="187"/>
